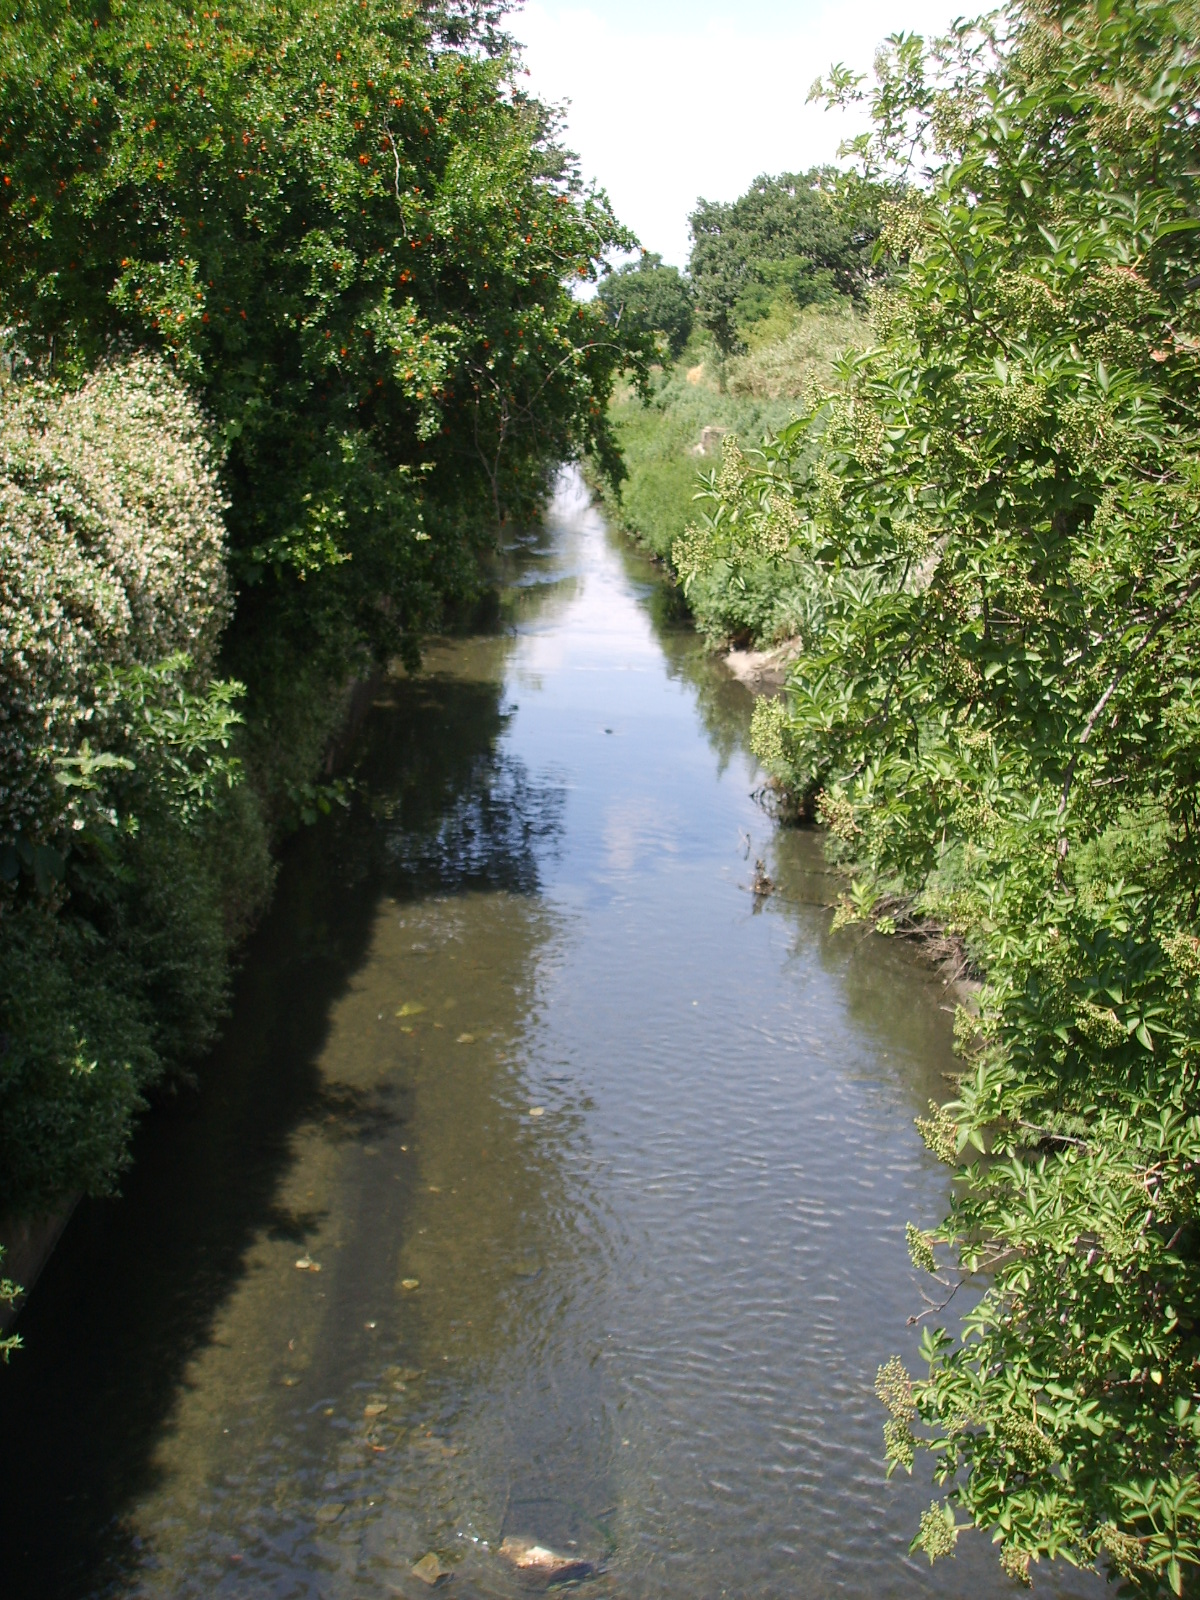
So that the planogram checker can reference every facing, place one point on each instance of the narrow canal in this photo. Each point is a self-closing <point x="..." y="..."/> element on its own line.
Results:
<point x="548" y="1185"/>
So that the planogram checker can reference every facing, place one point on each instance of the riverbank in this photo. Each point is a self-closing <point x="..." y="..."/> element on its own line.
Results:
<point x="995" y="580"/>
<point x="514" y="1206"/>
<point x="675" y="441"/>
<point x="290" y="474"/>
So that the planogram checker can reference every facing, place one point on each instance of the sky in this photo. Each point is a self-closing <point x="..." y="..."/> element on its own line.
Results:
<point x="673" y="99"/>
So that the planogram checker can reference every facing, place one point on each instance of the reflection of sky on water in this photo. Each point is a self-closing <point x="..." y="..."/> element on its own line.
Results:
<point x="493" y="835"/>
<point x="606" y="1173"/>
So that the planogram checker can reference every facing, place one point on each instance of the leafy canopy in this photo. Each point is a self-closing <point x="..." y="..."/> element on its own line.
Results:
<point x="647" y="297"/>
<point x="348" y="225"/>
<point x="790" y="235"/>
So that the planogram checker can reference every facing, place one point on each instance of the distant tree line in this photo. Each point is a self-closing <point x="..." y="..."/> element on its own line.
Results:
<point x="799" y="238"/>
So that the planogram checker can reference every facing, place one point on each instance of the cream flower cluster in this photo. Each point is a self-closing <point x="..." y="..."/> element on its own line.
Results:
<point x="112" y="556"/>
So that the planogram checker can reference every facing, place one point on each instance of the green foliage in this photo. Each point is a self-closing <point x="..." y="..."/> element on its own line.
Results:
<point x="658" y="433"/>
<point x="792" y="238"/>
<point x="738" y="571"/>
<point x="737" y="563"/>
<point x="118" y="766"/>
<point x="112" y="564"/>
<point x="993" y="517"/>
<point x="77" y="1057"/>
<point x="354" y="237"/>
<point x="115" y="974"/>
<point x="287" y="296"/>
<point x="800" y="356"/>
<point x="99" y="999"/>
<point x="9" y="1294"/>
<point x="650" y="298"/>
<point x="793" y="339"/>
<point x="185" y="735"/>
<point x="659" y="430"/>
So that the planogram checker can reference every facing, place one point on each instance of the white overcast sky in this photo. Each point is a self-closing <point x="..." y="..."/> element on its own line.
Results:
<point x="671" y="99"/>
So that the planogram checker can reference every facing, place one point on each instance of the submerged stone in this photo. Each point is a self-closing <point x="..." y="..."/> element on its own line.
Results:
<point x="539" y="1560"/>
<point x="430" y="1569"/>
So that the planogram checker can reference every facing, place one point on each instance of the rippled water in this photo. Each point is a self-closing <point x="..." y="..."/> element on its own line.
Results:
<point x="604" y="1165"/>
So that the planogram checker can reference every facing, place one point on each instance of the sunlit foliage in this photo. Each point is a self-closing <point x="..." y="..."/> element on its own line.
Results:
<point x="652" y="298"/>
<point x="788" y="237"/>
<point x="356" y="238"/>
<point x="993" y="516"/>
<point x="290" y="328"/>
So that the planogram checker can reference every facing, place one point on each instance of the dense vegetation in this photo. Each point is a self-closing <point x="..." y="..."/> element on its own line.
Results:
<point x="991" y="521"/>
<point x="787" y="238"/>
<point x="660" y="434"/>
<point x="114" y="596"/>
<point x="290" y="328"/>
<point x="774" y="293"/>
<point x="651" y="297"/>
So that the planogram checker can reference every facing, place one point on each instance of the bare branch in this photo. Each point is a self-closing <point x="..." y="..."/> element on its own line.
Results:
<point x="396" y="158"/>
<point x="932" y="1310"/>
<point x="1049" y="1133"/>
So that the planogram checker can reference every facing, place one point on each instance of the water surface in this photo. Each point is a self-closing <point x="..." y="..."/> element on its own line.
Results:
<point x="548" y="1183"/>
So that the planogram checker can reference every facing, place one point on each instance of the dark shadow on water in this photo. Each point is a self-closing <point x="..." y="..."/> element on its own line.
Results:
<point x="131" y="1294"/>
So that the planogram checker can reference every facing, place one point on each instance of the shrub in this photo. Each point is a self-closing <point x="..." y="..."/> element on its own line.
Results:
<point x="113" y="593"/>
<point x="994" y="515"/>
<point x="112" y="558"/>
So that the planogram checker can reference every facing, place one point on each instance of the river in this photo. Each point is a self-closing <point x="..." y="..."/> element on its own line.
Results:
<point x="548" y="1183"/>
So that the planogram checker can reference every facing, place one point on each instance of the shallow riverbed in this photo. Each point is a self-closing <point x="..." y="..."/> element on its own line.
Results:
<point x="548" y="1184"/>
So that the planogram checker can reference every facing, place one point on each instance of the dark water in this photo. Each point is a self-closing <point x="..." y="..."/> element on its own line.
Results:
<point x="605" y="1167"/>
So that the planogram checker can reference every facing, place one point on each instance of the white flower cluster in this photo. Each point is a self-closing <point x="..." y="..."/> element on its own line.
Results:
<point x="112" y="556"/>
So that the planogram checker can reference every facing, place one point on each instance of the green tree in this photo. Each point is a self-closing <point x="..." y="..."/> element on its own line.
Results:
<point x="353" y="232"/>
<point x="995" y="516"/>
<point x="288" y="299"/>
<point x="645" y="296"/>
<point x="792" y="234"/>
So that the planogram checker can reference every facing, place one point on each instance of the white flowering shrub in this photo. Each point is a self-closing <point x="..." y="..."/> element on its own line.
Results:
<point x="112" y="561"/>
<point x="115" y="821"/>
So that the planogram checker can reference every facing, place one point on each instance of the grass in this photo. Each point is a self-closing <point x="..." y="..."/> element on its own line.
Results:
<point x="750" y="395"/>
